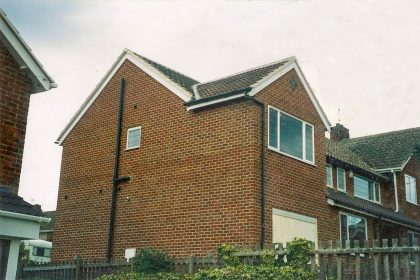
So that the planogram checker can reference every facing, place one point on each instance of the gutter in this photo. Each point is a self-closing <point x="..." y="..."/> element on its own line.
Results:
<point x="262" y="169"/>
<point x="26" y="217"/>
<point x="204" y="102"/>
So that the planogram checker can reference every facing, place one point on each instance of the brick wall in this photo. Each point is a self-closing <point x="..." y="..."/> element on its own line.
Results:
<point x="194" y="180"/>
<point x="412" y="168"/>
<point x="14" y="104"/>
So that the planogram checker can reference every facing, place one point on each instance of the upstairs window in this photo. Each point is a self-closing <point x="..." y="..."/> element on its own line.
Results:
<point x="329" y="176"/>
<point x="366" y="189"/>
<point x="290" y="136"/>
<point x="133" y="137"/>
<point x="341" y="179"/>
<point x="410" y="189"/>
<point x="352" y="228"/>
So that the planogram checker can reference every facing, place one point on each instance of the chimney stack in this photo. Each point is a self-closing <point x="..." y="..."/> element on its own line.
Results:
<point x="339" y="132"/>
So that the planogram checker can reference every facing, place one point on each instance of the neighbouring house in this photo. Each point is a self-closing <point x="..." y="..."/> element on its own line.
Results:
<point x="46" y="230"/>
<point x="154" y="158"/>
<point x="21" y="75"/>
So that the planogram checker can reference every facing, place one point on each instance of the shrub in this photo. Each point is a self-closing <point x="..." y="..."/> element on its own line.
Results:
<point x="300" y="251"/>
<point x="151" y="260"/>
<point x="139" y="276"/>
<point x="225" y="255"/>
<point x="246" y="272"/>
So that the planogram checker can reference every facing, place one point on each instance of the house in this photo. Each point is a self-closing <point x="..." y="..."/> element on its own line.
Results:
<point x="373" y="181"/>
<point x="46" y="230"/>
<point x="21" y="75"/>
<point x="154" y="158"/>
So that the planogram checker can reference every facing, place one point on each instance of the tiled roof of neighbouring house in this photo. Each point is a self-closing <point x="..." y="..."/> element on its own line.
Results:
<point x="48" y="226"/>
<point x="179" y="78"/>
<point x="386" y="150"/>
<point x="240" y="81"/>
<point x="359" y="204"/>
<point x="340" y="152"/>
<point x="11" y="202"/>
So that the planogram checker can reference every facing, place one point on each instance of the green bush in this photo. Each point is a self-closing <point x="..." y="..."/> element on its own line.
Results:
<point x="151" y="260"/>
<point x="247" y="272"/>
<point x="140" y="276"/>
<point x="300" y="251"/>
<point x="224" y="254"/>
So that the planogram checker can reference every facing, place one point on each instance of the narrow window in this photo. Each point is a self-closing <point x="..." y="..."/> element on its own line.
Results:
<point x="410" y="189"/>
<point x="273" y="124"/>
<point x="133" y="137"/>
<point x="329" y="176"/>
<point x="341" y="179"/>
<point x="352" y="228"/>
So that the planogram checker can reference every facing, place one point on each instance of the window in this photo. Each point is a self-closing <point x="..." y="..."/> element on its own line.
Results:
<point x="329" y="176"/>
<point x="41" y="252"/>
<point x="341" y="179"/>
<point x="366" y="189"/>
<point x="410" y="189"/>
<point x="352" y="228"/>
<point x="290" y="135"/>
<point x="133" y="137"/>
<point x="413" y="240"/>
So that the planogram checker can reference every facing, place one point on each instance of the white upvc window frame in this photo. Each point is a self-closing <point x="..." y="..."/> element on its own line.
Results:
<point x="340" y="213"/>
<point x="331" y="178"/>
<point x="375" y="183"/>
<point x="128" y="134"/>
<point x="344" y="189"/>
<point x="406" y="176"/>
<point x="277" y="149"/>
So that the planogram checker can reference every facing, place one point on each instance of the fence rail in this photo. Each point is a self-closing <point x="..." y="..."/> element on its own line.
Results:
<point x="332" y="260"/>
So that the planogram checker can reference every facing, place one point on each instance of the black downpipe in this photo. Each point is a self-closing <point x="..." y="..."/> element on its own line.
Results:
<point x="115" y="179"/>
<point x="262" y="170"/>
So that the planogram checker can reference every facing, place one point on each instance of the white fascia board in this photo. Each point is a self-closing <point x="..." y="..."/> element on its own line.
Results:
<point x="132" y="57"/>
<point x="263" y="83"/>
<point x="220" y="100"/>
<point x="385" y="170"/>
<point x="24" y="216"/>
<point x="23" y="54"/>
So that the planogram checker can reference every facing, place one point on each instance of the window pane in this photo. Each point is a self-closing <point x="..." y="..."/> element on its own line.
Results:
<point x="273" y="126"/>
<point x="133" y="139"/>
<point x="377" y="193"/>
<point x="343" y="229"/>
<point x="410" y="189"/>
<point x="357" y="229"/>
<point x="291" y="136"/>
<point x="361" y="187"/>
<point x="341" y="184"/>
<point x="309" y="142"/>
<point x="329" y="176"/>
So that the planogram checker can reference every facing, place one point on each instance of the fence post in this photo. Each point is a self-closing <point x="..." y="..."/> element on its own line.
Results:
<point x="191" y="262"/>
<point x="78" y="262"/>
<point x="395" y="257"/>
<point x="387" y="275"/>
<point x="376" y="259"/>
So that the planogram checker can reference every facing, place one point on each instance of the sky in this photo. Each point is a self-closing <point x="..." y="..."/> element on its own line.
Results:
<point x="360" y="57"/>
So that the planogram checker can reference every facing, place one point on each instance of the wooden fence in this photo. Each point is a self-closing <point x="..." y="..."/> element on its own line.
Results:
<point x="332" y="260"/>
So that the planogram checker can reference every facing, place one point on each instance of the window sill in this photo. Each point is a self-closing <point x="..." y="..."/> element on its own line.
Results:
<point x="293" y="157"/>
<point x="343" y="191"/>
<point x="377" y="202"/>
<point x="132" y="148"/>
<point x="331" y="187"/>
<point x="412" y="203"/>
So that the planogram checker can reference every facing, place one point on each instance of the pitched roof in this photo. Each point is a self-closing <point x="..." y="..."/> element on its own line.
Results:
<point x="386" y="150"/>
<point x="183" y="80"/>
<point x="239" y="81"/>
<point x="11" y="202"/>
<point x="340" y="152"/>
<point x="371" y="208"/>
<point x="23" y="54"/>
